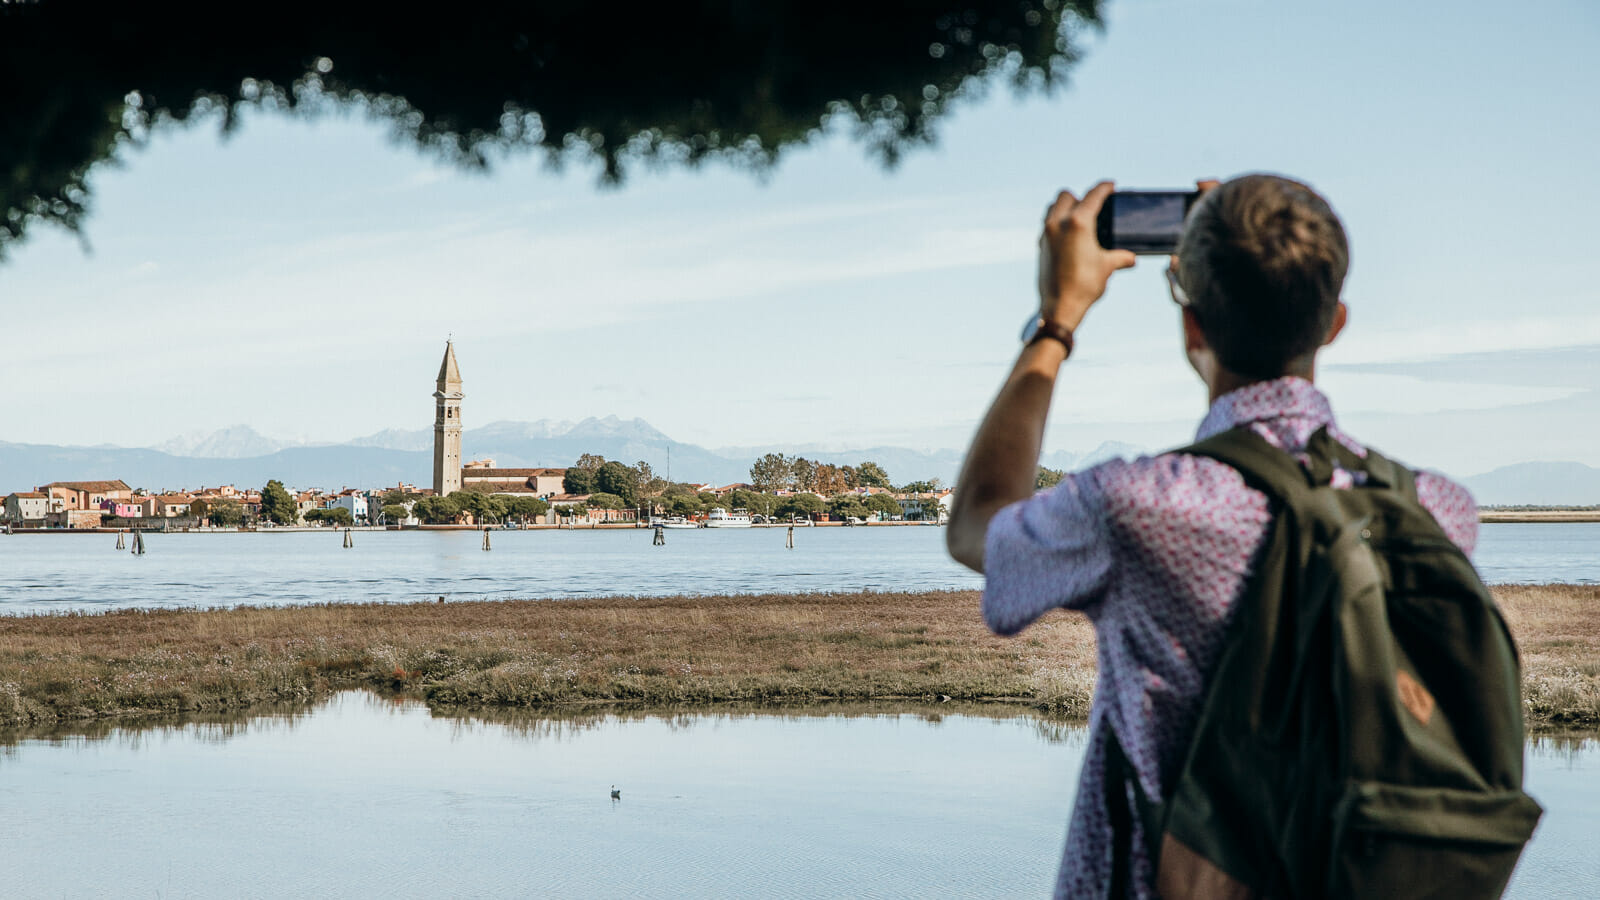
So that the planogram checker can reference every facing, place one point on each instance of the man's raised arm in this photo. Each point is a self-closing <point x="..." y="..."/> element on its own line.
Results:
<point x="1003" y="461"/>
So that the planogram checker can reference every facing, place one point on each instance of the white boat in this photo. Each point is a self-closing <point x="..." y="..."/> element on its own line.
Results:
<point x="721" y="518"/>
<point x="674" y="522"/>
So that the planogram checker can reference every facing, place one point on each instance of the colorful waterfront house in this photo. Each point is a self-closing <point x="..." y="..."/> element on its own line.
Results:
<point x="87" y="495"/>
<point x="169" y="506"/>
<point x="123" y="509"/>
<point x="27" y="507"/>
<point x="354" y="501"/>
<point x="251" y="501"/>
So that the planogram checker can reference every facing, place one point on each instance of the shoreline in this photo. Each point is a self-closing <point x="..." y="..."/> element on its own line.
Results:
<point x="1485" y="517"/>
<point x="702" y="652"/>
<point x="1524" y="516"/>
<point x="314" y="529"/>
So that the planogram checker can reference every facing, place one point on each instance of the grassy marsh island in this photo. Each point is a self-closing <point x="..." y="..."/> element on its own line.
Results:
<point x="773" y="649"/>
<point x="1529" y="514"/>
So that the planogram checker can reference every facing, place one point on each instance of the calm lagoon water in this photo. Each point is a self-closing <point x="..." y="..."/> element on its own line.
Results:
<point x="367" y="797"/>
<point x="84" y="572"/>
<point x="364" y="797"/>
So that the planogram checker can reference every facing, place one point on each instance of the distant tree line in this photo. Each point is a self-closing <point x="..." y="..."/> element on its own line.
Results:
<point x="777" y="472"/>
<point x="594" y="474"/>
<point x="333" y="515"/>
<point x="611" y="484"/>
<point x="485" y="508"/>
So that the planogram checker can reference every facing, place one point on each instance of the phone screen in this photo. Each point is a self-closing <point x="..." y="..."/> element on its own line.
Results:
<point x="1144" y="221"/>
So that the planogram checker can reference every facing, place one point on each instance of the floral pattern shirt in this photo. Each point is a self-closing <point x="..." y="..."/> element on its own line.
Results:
<point x="1156" y="552"/>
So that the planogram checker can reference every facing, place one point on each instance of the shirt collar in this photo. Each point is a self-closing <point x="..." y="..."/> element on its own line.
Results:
<point x="1289" y="397"/>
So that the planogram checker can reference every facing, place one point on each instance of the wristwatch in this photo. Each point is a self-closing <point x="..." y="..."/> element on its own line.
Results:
<point x="1039" y="327"/>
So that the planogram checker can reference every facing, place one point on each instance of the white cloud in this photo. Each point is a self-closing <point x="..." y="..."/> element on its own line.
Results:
<point x="1446" y="339"/>
<point x="1366" y="392"/>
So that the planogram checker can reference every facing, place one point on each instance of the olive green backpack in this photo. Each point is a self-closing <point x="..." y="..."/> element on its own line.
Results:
<point x="1362" y="732"/>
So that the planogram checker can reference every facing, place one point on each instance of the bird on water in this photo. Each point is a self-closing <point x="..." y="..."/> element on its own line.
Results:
<point x="615" y="794"/>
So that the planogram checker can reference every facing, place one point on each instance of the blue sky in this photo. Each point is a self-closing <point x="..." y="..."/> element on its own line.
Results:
<point x="301" y="276"/>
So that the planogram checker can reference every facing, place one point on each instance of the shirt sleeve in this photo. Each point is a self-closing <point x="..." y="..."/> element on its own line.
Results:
<point x="1052" y="550"/>
<point x="1452" y="507"/>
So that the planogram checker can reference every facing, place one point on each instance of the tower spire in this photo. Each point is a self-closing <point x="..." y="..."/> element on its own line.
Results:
<point x="447" y="425"/>
<point x="449" y="373"/>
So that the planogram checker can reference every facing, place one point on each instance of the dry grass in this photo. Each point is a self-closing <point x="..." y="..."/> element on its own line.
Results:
<point x="1557" y="628"/>
<point x="795" y="648"/>
<point x="768" y="649"/>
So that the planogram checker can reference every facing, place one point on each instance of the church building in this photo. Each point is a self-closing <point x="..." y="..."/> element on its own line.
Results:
<point x="449" y="475"/>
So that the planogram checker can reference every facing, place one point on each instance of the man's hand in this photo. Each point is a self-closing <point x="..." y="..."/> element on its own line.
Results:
<point x="1073" y="267"/>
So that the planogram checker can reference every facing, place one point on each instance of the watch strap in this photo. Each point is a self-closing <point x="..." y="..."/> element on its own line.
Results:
<point x="1056" y="330"/>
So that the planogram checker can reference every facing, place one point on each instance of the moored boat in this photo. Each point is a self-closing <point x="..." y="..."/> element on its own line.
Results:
<point x="721" y="518"/>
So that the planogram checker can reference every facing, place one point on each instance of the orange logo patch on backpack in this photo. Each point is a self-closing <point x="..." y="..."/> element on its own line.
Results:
<point x="1414" y="697"/>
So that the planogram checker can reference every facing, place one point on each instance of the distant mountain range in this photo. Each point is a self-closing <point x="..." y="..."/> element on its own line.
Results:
<point x="240" y="455"/>
<point x="1537" y="484"/>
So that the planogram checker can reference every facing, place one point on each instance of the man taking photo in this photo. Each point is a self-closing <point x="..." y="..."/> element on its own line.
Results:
<point x="1158" y="551"/>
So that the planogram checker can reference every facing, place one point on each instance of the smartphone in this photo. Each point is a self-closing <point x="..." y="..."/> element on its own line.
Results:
<point x="1146" y="222"/>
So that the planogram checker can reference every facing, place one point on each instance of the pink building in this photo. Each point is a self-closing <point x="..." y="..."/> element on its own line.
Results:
<point x="125" y="509"/>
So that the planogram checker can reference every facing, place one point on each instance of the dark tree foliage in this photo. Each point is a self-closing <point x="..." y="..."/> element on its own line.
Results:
<point x="884" y="505"/>
<point x="603" y="500"/>
<point x="527" y="508"/>
<point x="847" y="505"/>
<point x="617" y="479"/>
<point x="803" y="505"/>
<point x="277" y="505"/>
<point x="437" y="510"/>
<point x="570" y="79"/>
<point x="335" y="515"/>
<point x="578" y="481"/>
<point x="871" y="474"/>
<point x="225" y="513"/>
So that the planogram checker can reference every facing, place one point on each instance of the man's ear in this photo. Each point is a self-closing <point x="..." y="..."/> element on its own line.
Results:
<point x="1341" y="314"/>
<point x="1193" y="338"/>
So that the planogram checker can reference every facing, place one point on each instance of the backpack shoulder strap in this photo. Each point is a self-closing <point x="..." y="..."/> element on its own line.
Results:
<point x="1264" y="467"/>
<point x="1381" y="468"/>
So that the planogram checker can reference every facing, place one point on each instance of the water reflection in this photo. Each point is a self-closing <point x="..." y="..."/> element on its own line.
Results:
<point x="363" y="795"/>
<point x="558" y="725"/>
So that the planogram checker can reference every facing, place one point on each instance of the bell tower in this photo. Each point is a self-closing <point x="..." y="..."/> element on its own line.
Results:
<point x="447" y="426"/>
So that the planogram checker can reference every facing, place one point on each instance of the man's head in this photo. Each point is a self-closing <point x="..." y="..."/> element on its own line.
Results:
<point x="1263" y="260"/>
